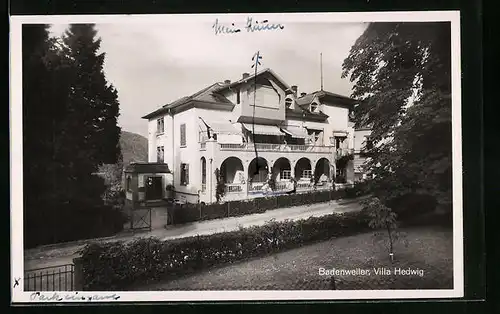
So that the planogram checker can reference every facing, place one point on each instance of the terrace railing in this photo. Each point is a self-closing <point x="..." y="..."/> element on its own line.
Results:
<point x="234" y="188"/>
<point x="277" y="147"/>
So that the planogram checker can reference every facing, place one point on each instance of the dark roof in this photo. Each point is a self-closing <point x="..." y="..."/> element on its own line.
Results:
<point x="252" y="76"/>
<point x="339" y="99"/>
<point x="148" y="167"/>
<point x="305" y="114"/>
<point x="207" y="94"/>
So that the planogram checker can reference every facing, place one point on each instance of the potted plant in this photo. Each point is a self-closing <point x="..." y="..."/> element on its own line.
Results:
<point x="169" y="195"/>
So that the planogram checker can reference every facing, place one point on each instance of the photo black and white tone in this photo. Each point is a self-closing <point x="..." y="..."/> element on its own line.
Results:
<point x="316" y="156"/>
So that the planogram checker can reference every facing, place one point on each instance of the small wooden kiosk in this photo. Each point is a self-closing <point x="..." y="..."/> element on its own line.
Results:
<point x="147" y="189"/>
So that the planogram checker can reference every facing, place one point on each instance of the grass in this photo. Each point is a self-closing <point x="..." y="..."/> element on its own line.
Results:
<point x="428" y="249"/>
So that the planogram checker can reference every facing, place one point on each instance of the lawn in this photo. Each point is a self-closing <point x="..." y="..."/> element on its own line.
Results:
<point x="428" y="249"/>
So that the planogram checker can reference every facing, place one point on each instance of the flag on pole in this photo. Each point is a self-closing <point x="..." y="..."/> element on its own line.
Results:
<point x="256" y="59"/>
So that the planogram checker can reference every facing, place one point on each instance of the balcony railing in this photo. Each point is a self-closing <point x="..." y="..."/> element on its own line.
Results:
<point x="233" y="188"/>
<point x="203" y="146"/>
<point x="255" y="186"/>
<point x="277" y="147"/>
<point x="341" y="152"/>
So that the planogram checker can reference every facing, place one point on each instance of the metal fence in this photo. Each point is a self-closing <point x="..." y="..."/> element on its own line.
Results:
<point x="56" y="278"/>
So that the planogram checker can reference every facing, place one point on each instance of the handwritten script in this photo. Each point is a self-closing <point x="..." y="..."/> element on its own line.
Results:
<point x="47" y="297"/>
<point x="250" y="26"/>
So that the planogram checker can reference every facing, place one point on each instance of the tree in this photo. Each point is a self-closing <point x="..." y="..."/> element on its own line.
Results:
<point x="69" y="129"/>
<point x="382" y="217"/>
<point x="93" y="99"/>
<point x="402" y="78"/>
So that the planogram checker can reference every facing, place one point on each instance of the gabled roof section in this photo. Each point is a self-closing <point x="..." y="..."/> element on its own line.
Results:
<point x="337" y="99"/>
<point x="207" y="95"/>
<point x="251" y="77"/>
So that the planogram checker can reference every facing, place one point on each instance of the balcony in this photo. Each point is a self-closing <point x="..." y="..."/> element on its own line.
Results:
<point x="263" y="147"/>
<point x="341" y="152"/>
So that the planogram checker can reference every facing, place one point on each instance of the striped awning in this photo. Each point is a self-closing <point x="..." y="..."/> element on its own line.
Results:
<point x="295" y="131"/>
<point x="262" y="129"/>
<point x="314" y="128"/>
<point x="220" y="127"/>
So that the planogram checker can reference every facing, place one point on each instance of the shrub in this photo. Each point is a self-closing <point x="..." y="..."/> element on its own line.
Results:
<point x="118" y="266"/>
<point x="194" y="212"/>
<point x="220" y="188"/>
<point x="64" y="224"/>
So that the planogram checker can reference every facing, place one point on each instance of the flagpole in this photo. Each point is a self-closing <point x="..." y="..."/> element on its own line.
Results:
<point x="256" y="63"/>
<point x="321" y="68"/>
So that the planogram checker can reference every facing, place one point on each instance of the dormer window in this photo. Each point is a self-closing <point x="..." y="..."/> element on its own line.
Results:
<point x="314" y="107"/>
<point x="288" y="102"/>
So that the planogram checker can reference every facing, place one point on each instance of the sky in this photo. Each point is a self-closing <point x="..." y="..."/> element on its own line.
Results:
<point x="153" y="64"/>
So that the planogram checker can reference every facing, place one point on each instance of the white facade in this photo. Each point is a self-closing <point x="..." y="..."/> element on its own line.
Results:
<point x="225" y="131"/>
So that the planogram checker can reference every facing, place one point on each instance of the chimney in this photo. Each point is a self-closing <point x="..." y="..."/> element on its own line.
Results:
<point x="245" y="75"/>
<point x="227" y="82"/>
<point x="303" y="94"/>
<point x="294" y="89"/>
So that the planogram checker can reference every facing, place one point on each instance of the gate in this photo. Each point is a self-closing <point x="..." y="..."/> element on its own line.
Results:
<point x="55" y="278"/>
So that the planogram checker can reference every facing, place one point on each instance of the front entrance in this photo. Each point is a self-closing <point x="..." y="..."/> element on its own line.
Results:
<point x="154" y="188"/>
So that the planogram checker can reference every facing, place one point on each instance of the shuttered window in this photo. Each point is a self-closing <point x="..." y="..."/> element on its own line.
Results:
<point x="183" y="134"/>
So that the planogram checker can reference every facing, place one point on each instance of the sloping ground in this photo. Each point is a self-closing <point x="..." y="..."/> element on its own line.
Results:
<point x="134" y="147"/>
<point x="429" y="249"/>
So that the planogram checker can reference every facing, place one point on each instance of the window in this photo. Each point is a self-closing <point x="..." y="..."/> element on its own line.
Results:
<point x="238" y="95"/>
<point x="203" y="170"/>
<point x="286" y="175"/>
<point x="183" y="134"/>
<point x="307" y="174"/>
<point x="160" y="154"/>
<point x="314" y="107"/>
<point x="129" y="184"/>
<point x="288" y="102"/>
<point x="184" y="174"/>
<point x="160" y="126"/>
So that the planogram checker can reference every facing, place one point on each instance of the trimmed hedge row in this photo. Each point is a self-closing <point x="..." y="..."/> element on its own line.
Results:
<point x="195" y="212"/>
<point x="119" y="266"/>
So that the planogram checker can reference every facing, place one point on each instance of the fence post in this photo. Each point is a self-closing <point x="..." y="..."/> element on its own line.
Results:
<point x="78" y="274"/>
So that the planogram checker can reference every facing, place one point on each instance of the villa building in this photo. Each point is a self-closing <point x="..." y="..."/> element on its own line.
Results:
<point x="253" y="131"/>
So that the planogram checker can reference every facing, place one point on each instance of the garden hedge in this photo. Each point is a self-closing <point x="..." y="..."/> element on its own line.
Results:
<point x="195" y="212"/>
<point x="119" y="266"/>
<point x="64" y="224"/>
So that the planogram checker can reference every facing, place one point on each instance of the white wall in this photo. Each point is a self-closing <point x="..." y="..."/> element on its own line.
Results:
<point x="359" y="139"/>
<point x="338" y="120"/>
<point x="190" y="154"/>
<point x="155" y="140"/>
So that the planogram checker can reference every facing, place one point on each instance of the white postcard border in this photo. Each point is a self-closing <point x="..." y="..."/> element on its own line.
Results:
<point x="16" y="154"/>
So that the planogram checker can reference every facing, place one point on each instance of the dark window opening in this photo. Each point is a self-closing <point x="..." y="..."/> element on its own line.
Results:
<point x="154" y="190"/>
<point x="184" y="174"/>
